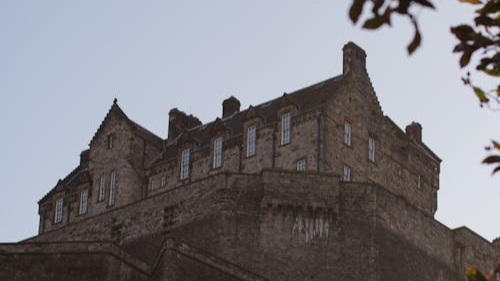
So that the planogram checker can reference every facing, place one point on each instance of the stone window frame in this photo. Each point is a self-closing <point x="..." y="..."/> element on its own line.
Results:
<point x="102" y="189"/>
<point x="185" y="164"/>
<point x="112" y="189"/>
<point x="152" y="183"/>
<point x="163" y="180"/>
<point x="58" y="210"/>
<point x="84" y="201"/>
<point x="301" y="164"/>
<point x="251" y="140"/>
<point x="286" y="127"/>
<point x="110" y="141"/>
<point x="346" y="173"/>
<point x="372" y="146"/>
<point x="217" y="152"/>
<point x="347" y="132"/>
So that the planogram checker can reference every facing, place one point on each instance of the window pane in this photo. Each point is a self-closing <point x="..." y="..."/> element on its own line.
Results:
<point x="83" y="201"/>
<point x="185" y="164"/>
<point x="251" y="137"/>
<point x="217" y="152"/>
<point x="285" y="128"/>
<point x="347" y="133"/>
<point x="112" y="189"/>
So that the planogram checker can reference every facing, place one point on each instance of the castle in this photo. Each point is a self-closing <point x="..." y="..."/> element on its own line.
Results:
<point x="317" y="184"/>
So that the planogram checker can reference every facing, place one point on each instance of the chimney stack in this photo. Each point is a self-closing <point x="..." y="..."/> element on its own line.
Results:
<point x="179" y="121"/>
<point x="354" y="59"/>
<point x="414" y="131"/>
<point x="230" y="106"/>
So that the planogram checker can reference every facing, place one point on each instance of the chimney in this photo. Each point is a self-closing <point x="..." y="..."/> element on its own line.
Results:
<point x="354" y="59"/>
<point x="179" y="121"/>
<point x="414" y="131"/>
<point x="230" y="106"/>
<point x="84" y="157"/>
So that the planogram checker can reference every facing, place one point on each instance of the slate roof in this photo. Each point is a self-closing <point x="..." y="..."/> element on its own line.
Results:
<point x="304" y="99"/>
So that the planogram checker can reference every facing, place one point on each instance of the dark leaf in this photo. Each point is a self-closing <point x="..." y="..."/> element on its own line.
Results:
<point x="474" y="2"/>
<point x="377" y="4"/>
<point x="416" y="39"/>
<point x="463" y="32"/>
<point x="480" y="94"/>
<point x="496" y="169"/>
<point x="491" y="159"/>
<point x="403" y="7"/>
<point x="491" y="7"/>
<point x="474" y="275"/>
<point x="464" y="60"/>
<point x="356" y="10"/>
<point x="424" y="3"/>
<point x="374" y="23"/>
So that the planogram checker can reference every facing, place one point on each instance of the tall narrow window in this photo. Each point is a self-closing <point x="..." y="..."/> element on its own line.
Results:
<point x="419" y="182"/>
<point x="185" y="164"/>
<point x="251" y="138"/>
<point x="152" y="184"/>
<point x="371" y="149"/>
<point x="58" y="211"/>
<point x="102" y="188"/>
<point x="83" y="201"/>
<point x="301" y="165"/>
<point x="346" y="175"/>
<point x="162" y="183"/>
<point x="112" y="189"/>
<point x="110" y="141"/>
<point x="347" y="133"/>
<point x="217" y="152"/>
<point x="285" y="128"/>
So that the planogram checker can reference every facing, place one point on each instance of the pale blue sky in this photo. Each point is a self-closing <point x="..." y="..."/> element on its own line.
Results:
<point x="63" y="62"/>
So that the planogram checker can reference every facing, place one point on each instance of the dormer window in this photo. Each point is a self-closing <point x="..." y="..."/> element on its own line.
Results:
<point x="84" y="201"/>
<point x="347" y="133"/>
<point x="286" y="125"/>
<point x="185" y="164"/>
<point x="217" y="163"/>
<point x="251" y="140"/>
<point x="58" y="211"/>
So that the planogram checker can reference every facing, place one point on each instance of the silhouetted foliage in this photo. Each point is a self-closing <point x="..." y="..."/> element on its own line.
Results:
<point x="481" y="38"/>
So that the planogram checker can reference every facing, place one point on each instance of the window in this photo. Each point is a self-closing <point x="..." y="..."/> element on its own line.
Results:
<point x="102" y="189"/>
<point x="419" y="182"/>
<point x="162" y="183"/>
<point x="251" y="137"/>
<point x="112" y="189"/>
<point x="58" y="211"/>
<point x="346" y="175"/>
<point x="301" y="165"/>
<point x="371" y="149"/>
<point x="83" y="201"/>
<point x="110" y="141"/>
<point x="285" y="128"/>
<point x="347" y="133"/>
<point x="185" y="164"/>
<point x="152" y="184"/>
<point x="217" y="152"/>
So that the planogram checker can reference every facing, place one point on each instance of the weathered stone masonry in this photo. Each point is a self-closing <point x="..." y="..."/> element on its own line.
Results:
<point x="317" y="184"/>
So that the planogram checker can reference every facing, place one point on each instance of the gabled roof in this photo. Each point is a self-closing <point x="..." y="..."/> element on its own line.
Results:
<point x="79" y="175"/>
<point x="136" y="128"/>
